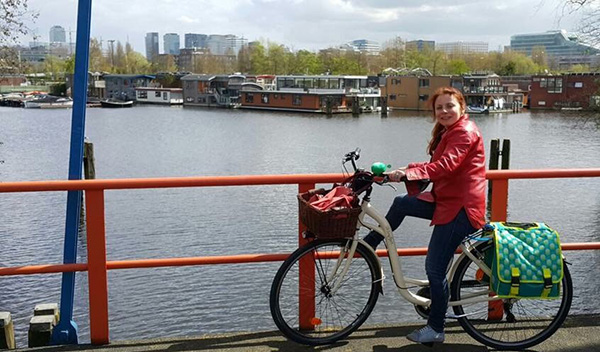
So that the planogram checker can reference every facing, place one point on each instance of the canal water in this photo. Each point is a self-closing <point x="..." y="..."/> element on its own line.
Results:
<point x="148" y="141"/>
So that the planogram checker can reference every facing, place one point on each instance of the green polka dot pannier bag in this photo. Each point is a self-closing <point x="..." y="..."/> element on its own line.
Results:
<point x="527" y="261"/>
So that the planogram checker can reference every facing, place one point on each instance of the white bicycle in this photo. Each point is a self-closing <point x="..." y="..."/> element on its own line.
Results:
<point x="327" y="288"/>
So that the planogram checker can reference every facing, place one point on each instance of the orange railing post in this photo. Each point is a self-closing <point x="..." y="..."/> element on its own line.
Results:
<point x="97" y="276"/>
<point x="306" y="279"/>
<point x="499" y="200"/>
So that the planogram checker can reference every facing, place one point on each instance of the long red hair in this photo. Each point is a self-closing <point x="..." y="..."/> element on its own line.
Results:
<point x="438" y="129"/>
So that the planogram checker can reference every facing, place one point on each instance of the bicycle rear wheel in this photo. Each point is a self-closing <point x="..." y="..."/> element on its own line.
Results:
<point x="325" y="314"/>
<point x="525" y="322"/>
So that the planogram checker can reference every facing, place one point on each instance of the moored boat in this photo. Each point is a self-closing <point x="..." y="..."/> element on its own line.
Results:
<point x="48" y="102"/>
<point x="477" y="110"/>
<point x="112" y="103"/>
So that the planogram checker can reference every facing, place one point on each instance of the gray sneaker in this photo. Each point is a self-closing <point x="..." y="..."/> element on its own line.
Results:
<point x="426" y="335"/>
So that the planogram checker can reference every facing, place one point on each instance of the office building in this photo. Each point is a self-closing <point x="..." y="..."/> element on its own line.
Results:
<point x="420" y="45"/>
<point x="193" y="40"/>
<point x="171" y="43"/>
<point x="151" y="46"/>
<point x="566" y="49"/>
<point x="364" y="45"/>
<point x="461" y="47"/>
<point x="57" y="35"/>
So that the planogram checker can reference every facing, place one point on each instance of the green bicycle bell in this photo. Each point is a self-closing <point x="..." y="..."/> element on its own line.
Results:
<point x="379" y="168"/>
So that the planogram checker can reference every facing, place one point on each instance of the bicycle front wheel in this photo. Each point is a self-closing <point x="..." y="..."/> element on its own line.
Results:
<point x="524" y="323"/>
<point x="315" y="301"/>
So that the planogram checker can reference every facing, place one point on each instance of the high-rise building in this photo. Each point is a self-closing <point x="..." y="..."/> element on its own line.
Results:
<point x="57" y="35"/>
<point x="236" y="43"/>
<point x="171" y="43"/>
<point x="217" y="44"/>
<point x="151" y="46"/>
<point x="193" y="40"/>
<point x="566" y="49"/>
<point x="364" y="45"/>
<point x="461" y="47"/>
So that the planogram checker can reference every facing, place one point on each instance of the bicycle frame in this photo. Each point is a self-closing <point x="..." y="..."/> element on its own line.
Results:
<point x="402" y="282"/>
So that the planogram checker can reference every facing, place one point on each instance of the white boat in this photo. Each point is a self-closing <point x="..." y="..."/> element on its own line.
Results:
<point x="477" y="110"/>
<point x="48" y="102"/>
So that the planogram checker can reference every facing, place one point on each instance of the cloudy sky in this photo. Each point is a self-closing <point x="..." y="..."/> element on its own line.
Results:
<point x="311" y="24"/>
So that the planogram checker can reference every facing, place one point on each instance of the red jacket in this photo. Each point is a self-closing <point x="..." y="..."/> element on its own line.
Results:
<point x="457" y="170"/>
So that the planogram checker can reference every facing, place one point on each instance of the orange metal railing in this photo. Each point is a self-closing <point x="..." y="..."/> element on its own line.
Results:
<point x="97" y="265"/>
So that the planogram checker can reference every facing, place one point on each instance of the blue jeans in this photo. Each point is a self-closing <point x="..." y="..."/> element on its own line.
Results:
<point x="442" y="245"/>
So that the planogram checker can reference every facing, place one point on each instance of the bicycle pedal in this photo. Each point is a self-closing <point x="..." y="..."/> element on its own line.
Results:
<point x="428" y="344"/>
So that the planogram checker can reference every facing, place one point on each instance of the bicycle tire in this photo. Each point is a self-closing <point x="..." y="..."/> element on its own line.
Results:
<point x="336" y="316"/>
<point x="535" y="320"/>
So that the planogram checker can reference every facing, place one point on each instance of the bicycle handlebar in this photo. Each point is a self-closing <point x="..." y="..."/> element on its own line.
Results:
<point x="362" y="179"/>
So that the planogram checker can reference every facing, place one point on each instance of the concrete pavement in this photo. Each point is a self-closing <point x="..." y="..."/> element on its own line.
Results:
<point x="578" y="334"/>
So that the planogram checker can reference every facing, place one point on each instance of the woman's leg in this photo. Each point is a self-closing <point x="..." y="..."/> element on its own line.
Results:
<point x="444" y="241"/>
<point x="402" y="206"/>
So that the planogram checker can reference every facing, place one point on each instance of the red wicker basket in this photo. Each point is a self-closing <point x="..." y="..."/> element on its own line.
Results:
<point x="332" y="223"/>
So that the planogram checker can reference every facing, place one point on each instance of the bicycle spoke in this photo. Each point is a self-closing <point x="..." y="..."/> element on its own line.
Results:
<point x="534" y="319"/>
<point x="336" y="313"/>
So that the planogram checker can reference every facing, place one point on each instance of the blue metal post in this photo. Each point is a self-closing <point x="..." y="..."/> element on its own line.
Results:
<point x="66" y="330"/>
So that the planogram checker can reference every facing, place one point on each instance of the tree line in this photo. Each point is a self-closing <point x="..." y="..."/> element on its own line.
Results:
<point x="274" y="58"/>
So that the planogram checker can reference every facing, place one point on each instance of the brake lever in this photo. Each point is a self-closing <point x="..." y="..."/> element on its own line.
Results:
<point x="384" y="182"/>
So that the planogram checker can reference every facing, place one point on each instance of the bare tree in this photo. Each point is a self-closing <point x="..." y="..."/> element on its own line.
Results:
<point x="589" y="26"/>
<point x="13" y="17"/>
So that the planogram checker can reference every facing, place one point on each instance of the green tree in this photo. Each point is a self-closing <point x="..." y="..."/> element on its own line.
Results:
<point x="277" y="59"/>
<point x="539" y="56"/>
<point x="580" y="68"/>
<point x="70" y="64"/>
<point x="54" y="67"/>
<point x="98" y="62"/>
<point x="458" y="67"/>
<point x="118" y="59"/>
<point x="243" y="60"/>
<point x="509" y="69"/>
<point x="393" y="55"/>
<point x="305" y="62"/>
<point x="258" y="59"/>
<point x="13" y="16"/>
<point x="134" y="61"/>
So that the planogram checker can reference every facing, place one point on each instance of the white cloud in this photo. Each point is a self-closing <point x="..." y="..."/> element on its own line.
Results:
<point x="311" y="24"/>
<point x="186" y="19"/>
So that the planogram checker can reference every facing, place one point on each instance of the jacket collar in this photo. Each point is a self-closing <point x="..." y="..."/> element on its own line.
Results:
<point x="462" y="120"/>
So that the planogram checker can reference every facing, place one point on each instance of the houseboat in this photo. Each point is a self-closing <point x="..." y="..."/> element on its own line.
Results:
<point x="300" y="101"/>
<point x="323" y="94"/>
<point x="166" y="96"/>
<point x="122" y="87"/>
<point x="212" y="90"/>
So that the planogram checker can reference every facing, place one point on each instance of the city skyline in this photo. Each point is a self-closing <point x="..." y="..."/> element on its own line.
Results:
<point x="310" y="24"/>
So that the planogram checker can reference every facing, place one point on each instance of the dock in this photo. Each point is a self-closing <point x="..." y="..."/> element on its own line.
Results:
<point x="578" y="334"/>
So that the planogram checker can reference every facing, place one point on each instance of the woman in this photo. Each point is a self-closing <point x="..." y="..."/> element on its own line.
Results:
<point x="455" y="205"/>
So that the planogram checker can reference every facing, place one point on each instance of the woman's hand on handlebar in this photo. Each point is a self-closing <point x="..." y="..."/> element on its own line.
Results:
<point x="396" y="175"/>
